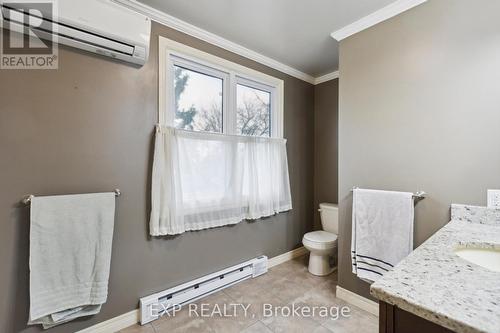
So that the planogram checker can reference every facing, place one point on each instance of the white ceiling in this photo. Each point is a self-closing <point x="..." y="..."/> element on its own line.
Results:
<point x="293" y="32"/>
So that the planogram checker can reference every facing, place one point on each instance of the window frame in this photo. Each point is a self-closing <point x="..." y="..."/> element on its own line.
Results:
<point x="173" y="53"/>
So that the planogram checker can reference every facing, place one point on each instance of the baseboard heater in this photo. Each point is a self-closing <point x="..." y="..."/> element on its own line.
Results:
<point x="154" y="306"/>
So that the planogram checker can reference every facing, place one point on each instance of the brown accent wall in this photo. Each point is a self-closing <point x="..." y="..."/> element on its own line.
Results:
<point x="420" y="110"/>
<point x="88" y="127"/>
<point x="325" y="145"/>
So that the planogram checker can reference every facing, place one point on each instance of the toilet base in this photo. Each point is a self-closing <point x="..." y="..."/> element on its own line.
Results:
<point x="320" y="264"/>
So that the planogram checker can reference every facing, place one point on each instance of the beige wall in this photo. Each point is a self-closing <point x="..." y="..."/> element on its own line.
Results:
<point x="88" y="127"/>
<point x="325" y="145"/>
<point x="420" y="110"/>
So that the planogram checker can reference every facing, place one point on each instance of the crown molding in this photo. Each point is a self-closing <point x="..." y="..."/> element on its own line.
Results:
<point x="374" y="18"/>
<point x="326" y="77"/>
<point x="187" y="28"/>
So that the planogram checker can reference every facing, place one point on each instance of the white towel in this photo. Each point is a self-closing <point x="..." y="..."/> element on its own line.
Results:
<point x="382" y="231"/>
<point x="70" y="253"/>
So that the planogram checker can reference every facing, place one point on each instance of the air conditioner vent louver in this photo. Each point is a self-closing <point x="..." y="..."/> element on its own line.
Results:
<point x="97" y="26"/>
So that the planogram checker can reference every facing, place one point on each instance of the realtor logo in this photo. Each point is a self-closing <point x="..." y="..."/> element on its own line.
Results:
<point x="29" y="36"/>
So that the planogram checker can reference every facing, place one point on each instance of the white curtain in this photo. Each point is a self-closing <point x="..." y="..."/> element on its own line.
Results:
<point x="202" y="180"/>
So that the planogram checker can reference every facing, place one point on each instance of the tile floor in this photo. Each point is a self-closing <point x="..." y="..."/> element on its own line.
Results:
<point x="284" y="285"/>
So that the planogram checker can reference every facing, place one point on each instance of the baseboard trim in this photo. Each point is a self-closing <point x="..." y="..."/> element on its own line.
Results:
<point x="130" y="318"/>
<point x="114" y="324"/>
<point x="357" y="300"/>
<point x="298" y="252"/>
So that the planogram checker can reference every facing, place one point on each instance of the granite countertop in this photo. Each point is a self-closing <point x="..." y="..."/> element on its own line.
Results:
<point x="435" y="284"/>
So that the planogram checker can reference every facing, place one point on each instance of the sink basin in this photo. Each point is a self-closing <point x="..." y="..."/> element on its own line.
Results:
<point x="488" y="258"/>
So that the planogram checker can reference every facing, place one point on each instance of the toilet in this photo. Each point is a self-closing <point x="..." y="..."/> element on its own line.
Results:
<point x="322" y="243"/>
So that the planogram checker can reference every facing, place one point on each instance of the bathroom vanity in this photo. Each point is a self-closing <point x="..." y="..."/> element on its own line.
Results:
<point x="392" y="319"/>
<point x="450" y="283"/>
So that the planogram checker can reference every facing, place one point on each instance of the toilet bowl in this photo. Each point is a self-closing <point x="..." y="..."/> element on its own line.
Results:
<point x="322" y="244"/>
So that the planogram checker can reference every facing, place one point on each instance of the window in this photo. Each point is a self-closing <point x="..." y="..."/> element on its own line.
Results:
<point x="220" y="157"/>
<point x="202" y="92"/>
<point x="198" y="100"/>
<point x="253" y="110"/>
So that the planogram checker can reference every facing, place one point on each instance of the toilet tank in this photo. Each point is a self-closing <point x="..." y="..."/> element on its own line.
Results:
<point x="329" y="214"/>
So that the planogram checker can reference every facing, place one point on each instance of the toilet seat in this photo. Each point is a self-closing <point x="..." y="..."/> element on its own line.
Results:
<point x="320" y="240"/>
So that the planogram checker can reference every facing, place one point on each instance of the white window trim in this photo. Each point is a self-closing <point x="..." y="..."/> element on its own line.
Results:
<point x="235" y="73"/>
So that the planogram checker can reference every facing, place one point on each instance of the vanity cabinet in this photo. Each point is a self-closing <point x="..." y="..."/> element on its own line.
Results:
<point x="394" y="320"/>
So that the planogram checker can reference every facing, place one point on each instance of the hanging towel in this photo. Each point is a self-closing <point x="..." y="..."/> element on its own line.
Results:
<point x="382" y="231"/>
<point x="70" y="253"/>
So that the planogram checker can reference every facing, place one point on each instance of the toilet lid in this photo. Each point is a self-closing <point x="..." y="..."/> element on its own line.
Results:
<point x="322" y="237"/>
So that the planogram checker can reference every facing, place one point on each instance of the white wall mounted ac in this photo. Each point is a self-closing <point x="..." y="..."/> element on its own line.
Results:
<point x="154" y="306"/>
<point x="98" y="26"/>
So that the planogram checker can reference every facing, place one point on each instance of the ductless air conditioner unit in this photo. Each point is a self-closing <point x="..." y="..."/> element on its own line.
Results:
<point x="98" y="26"/>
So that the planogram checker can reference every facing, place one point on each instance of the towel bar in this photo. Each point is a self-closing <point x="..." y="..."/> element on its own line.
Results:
<point x="27" y="199"/>
<point x="417" y="195"/>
